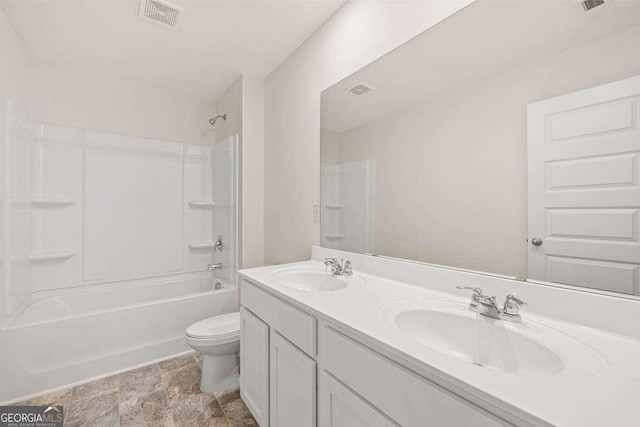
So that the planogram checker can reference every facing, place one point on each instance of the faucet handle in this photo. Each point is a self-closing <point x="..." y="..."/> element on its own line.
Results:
<point x="512" y="298"/>
<point x="331" y="262"/>
<point x="347" y="270"/>
<point x="476" y="291"/>
<point x="511" y="310"/>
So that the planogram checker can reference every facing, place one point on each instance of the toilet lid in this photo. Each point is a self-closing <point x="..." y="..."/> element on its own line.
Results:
<point x="218" y="326"/>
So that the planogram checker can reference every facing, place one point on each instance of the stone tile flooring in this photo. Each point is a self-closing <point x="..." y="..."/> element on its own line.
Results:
<point x="163" y="394"/>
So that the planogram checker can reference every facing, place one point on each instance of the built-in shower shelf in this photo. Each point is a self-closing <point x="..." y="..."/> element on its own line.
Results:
<point x="202" y="204"/>
<point x="201" y="245"/>
<point x="47" y="256"/>
<point x="52" y="201"/>
<point x="46" y="202"/>
<point x="334" y="236"/>
<point x="334" y="206"/>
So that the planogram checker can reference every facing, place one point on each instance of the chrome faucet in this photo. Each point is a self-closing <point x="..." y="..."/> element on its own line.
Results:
<point x="216" y="266"/>
<point x="487" y="306"/>
<point x="339" y="268"/>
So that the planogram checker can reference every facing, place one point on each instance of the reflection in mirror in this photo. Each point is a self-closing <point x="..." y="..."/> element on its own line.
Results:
<point x="503" y="140"/>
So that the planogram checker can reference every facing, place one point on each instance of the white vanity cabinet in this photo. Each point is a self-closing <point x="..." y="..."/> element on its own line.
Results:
<point x="317" y="375"/>
<point x="254" y="365"/>
<point x="277" y="352"/>
<point x="292" y="377"/>
<point x="403" y="396"/>
<point x="341" y="407"/>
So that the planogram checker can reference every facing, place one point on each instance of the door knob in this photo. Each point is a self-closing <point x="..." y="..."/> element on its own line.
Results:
<point x="536" y="241"/>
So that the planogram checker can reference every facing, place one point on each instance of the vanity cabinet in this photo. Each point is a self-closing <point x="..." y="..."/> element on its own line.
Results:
<point x="285" y="350"/>
<point x="341" y="407"/>
<point x="254" y="365"/>
<point x="292" y="377"/>
<point x="277" y="351"/>
<point x="405" y="397"/>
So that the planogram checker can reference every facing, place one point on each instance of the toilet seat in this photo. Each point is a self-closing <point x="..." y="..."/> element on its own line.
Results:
<point x="223" y="327"/>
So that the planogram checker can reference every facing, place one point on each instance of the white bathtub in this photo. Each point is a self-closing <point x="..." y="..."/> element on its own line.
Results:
<point x="66" y="337"/>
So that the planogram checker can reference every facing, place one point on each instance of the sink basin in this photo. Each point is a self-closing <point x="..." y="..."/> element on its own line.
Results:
<point x="315" y="280"/>
<point x="450" y="328"/>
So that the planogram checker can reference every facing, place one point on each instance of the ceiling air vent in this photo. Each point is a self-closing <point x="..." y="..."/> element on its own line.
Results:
<point x="587" y="5"/>
<point x="594" y="8"/>
<point x="160" y="12"/>
<point x="360" y="89"/>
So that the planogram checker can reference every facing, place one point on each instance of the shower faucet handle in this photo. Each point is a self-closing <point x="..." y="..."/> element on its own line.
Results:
<point x="216" y="266"/>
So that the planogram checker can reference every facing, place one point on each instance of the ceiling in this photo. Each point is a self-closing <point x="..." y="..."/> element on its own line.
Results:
<point x="215" y="41"/>
<point x="481" y="40"/>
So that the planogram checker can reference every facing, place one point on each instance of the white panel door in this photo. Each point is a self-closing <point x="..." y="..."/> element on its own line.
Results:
<point x="254" y="365"/>
<point x="584" y="194"/>
<point x="292" y="385"/>
<point x="341" y="407"/>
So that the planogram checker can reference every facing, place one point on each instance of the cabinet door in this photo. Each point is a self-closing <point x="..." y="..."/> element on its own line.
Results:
<point x="341" y="407"/>
<point x="254" y="365"/>
<point x="292" y="385"/>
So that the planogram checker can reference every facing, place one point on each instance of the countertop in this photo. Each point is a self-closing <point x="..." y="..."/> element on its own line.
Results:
<point x="604" y="391"/>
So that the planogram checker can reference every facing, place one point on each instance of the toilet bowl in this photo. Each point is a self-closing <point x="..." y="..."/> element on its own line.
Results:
<point x="217" y="339"/>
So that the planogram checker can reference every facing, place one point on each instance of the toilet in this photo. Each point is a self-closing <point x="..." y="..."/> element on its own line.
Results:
<point x="217" y="339"/>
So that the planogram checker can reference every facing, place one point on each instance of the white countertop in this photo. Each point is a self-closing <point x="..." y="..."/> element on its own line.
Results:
<point x="577" y="396"/>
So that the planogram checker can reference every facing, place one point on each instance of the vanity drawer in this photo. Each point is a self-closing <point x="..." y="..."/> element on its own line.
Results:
<point x="293" y="324"/>
<point x="402" y="395"/>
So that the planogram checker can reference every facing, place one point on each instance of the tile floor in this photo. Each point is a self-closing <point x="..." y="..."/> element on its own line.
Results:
<point x="163" y="394"/>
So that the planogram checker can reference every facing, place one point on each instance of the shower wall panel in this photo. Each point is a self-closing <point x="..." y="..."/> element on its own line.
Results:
<point x="84" y="208"/>
<point x="132" y="209"/>
<point x="348" y="206"/>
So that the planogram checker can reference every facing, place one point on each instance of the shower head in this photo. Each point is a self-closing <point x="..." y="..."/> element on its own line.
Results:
<point x="213" y="120"/>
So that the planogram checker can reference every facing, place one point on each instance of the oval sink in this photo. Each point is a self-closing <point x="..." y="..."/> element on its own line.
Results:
<point x="315" y="280"/>
<point x="450" y="328"/>
<point x="482" y="343"/>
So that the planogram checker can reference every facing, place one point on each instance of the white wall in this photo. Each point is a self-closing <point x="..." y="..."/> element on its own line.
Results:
<point x="357" y="34"/>
<point x="87" y="100"/>
<point x="252" y="171"/>
<point x="229" y="103"/>
<point x="12" y="61"/>
<point x="452" y="171"/>
<point x="330" y="146"/>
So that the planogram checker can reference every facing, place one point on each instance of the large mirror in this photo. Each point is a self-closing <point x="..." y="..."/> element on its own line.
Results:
<point x="503" y="140"/>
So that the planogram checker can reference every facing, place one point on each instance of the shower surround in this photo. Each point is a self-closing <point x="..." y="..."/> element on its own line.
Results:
<point x="106" y="240"/>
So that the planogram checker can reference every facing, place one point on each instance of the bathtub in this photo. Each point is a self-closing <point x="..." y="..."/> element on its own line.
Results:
<point x="61" y="338"/>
